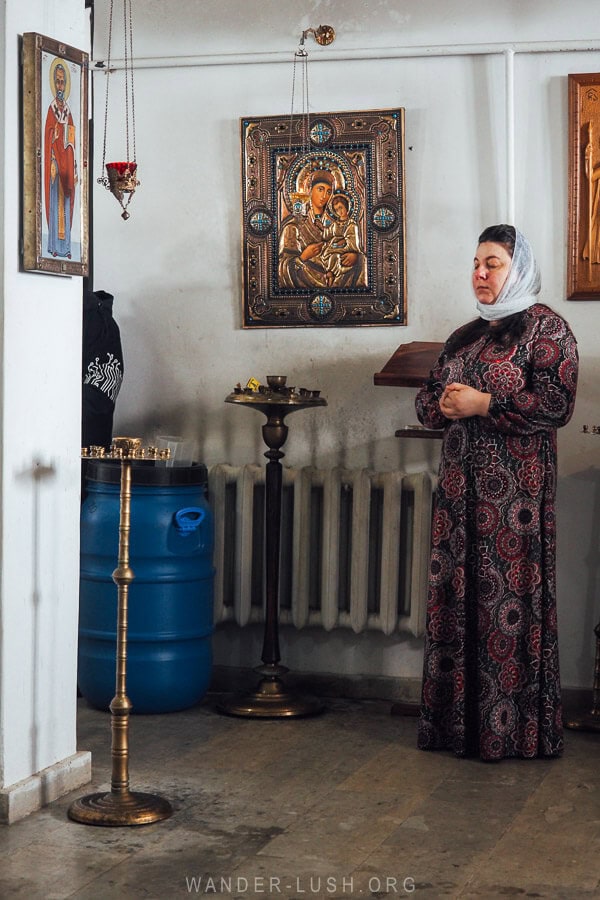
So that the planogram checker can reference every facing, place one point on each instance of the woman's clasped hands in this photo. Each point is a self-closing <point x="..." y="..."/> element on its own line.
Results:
<point x="459" y="401"/>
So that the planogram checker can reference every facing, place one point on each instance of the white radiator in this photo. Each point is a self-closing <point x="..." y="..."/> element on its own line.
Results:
<point x="354" y="547"/>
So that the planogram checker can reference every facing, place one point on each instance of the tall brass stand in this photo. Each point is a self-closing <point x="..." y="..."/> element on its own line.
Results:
<point x="271" y="698"/>
<point x="120" y="806"/>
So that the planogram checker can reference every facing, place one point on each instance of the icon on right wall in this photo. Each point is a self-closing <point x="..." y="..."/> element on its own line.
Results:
<point x="583" y="271"/>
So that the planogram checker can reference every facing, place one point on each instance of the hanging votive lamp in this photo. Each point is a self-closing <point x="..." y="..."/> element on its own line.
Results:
<point x="122" y="181"/>
<point x="121" y="177"/>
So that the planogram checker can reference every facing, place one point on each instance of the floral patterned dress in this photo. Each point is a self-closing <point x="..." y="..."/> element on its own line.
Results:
<point x="491" y="683"/>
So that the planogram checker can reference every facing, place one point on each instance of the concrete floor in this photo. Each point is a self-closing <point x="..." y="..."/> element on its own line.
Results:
<point x="337" y="806"/>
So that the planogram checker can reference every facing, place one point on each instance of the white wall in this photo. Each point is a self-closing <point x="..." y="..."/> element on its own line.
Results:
<point x="174" y="267"/>
<point x="41" y="433"/>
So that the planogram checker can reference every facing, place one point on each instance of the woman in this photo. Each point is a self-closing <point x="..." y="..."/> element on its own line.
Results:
<point x="502" y="386"/>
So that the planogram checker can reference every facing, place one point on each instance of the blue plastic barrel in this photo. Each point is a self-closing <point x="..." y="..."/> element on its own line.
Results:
<point x="170" y="608"/>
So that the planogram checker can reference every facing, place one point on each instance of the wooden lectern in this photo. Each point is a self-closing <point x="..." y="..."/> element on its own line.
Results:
<point x="410" y="365"/>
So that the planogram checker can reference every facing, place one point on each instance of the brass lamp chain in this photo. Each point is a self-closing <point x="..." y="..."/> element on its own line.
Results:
<point x="292" y="106"/>
<point x="302" y="55"/>
<point x="129" y="96"/>
<point x="103" y="179"/>
<point x="305" y="103"/>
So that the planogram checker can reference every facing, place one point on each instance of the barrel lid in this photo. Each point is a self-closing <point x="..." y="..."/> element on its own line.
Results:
<point x="145" y="471"/>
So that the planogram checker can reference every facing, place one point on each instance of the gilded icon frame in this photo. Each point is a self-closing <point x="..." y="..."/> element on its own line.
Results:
<point x="323" y="219"/>
<point x="55" y="224"/>
<point x="583" y="263"/>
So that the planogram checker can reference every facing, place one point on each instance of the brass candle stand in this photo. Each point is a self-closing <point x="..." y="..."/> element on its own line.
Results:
<point x="120" y="806"/>
<point x="590" y="721"/>
<point x="271" y="698"/>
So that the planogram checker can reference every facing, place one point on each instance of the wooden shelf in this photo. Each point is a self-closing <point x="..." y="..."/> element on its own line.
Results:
<point x="419" y="431"/>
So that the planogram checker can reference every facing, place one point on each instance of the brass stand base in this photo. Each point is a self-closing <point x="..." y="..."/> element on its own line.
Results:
<point x="586" y="722"/>
<point x="116" y="809"/>
<point x="271" y="699"/>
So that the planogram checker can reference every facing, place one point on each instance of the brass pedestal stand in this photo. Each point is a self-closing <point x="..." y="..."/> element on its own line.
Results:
<point x="590" y="721"/>
<point x="120" y="806"/>
<point x="272" y="699"/>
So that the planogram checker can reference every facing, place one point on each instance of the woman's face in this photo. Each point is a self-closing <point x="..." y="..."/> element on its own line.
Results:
<point x="490" y="270"/>
<point x="320" y="195"/>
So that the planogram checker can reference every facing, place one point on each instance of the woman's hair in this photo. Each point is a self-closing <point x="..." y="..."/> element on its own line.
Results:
<point x="321" y="177"/>
<point x="500" y="234"/>
<point x="506" y="332"/>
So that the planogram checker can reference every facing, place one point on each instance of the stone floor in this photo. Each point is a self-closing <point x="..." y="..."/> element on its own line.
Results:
<point x="336" y="806"/>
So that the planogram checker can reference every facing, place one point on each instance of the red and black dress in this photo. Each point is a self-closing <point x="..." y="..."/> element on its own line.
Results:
<point x="491" y="684"/>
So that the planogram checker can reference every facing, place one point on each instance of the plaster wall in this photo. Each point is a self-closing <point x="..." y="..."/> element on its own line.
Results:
<point x="174" y="266"/>
<point x="40" y="402"/>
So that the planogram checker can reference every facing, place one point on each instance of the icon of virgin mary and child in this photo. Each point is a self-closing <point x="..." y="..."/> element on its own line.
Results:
<point x="319" y="244"/>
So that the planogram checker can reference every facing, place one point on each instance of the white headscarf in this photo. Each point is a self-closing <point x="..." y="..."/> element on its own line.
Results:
<point x="521" y="287"/>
